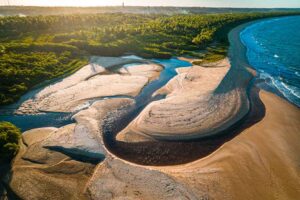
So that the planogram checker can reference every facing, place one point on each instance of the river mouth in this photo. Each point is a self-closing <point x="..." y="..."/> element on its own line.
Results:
<point x="156" y="152"/>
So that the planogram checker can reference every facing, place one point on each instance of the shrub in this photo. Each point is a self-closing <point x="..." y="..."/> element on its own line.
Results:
<point x="9" y="141"/>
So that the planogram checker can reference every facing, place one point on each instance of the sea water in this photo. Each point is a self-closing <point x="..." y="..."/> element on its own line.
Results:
<point x="273" y="49"/>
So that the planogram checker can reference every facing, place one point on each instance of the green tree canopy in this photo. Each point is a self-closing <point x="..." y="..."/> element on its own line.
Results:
<point x="9" y="140"/>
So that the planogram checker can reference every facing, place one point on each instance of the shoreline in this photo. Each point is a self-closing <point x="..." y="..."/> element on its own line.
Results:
<point x="244" y="58"/>
<point x="270" y="67"/>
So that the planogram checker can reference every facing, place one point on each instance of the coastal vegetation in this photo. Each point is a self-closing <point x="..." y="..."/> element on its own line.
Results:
<point x="9" y="141"/>
<point x="38" y="48"/>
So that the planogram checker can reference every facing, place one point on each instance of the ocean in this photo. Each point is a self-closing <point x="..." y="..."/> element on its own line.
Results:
<point x="273" y="49"/>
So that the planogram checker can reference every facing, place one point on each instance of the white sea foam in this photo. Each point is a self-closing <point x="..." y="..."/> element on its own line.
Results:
<point x="261" y="55"/>
<point x="285" y="89"/>
<point x="291" y="89"/>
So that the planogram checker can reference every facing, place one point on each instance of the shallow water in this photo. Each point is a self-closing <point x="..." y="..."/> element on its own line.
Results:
<point x="27" y="122"/>
<point x="166" y="74"/>
<point x="273" y="49"/>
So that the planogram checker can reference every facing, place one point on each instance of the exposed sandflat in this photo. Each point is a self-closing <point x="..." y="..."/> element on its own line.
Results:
<point x="71" y="98"/>
<point x="90" y="82"/>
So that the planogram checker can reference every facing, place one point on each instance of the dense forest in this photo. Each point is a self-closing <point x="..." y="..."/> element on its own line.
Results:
<point x="38" y="48"/>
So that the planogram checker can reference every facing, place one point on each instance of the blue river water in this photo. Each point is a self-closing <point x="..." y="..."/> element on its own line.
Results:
<point x="27" y="122"/>
<point x="273" y="49"/>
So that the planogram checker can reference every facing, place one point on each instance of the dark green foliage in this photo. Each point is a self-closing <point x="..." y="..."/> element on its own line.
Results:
<point x="34" y="49"/>
<point x="9" y="140"/>
<point x="21" y="71"/>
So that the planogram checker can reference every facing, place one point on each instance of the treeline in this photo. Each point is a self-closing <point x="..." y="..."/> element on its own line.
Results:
<point x="34" y="49"/>
<point x="21" y="71"/>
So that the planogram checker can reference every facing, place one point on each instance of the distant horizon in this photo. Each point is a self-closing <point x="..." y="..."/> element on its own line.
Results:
<point x="157" y="3"/>
<point x="107" y="6"/>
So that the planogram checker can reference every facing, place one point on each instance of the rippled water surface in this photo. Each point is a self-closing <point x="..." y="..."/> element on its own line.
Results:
<point x="273" y="49"/>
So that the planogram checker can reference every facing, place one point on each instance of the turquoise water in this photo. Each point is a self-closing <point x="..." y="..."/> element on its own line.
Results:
<point x="27" y="122"/>
<point x="273" y="49"/>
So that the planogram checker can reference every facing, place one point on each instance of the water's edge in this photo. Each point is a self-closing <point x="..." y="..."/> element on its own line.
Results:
<point x="269" y="71"/>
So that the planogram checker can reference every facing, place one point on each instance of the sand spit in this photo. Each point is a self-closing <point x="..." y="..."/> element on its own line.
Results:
<point x="196" y="105"/>
<point x="91" y="82"/>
